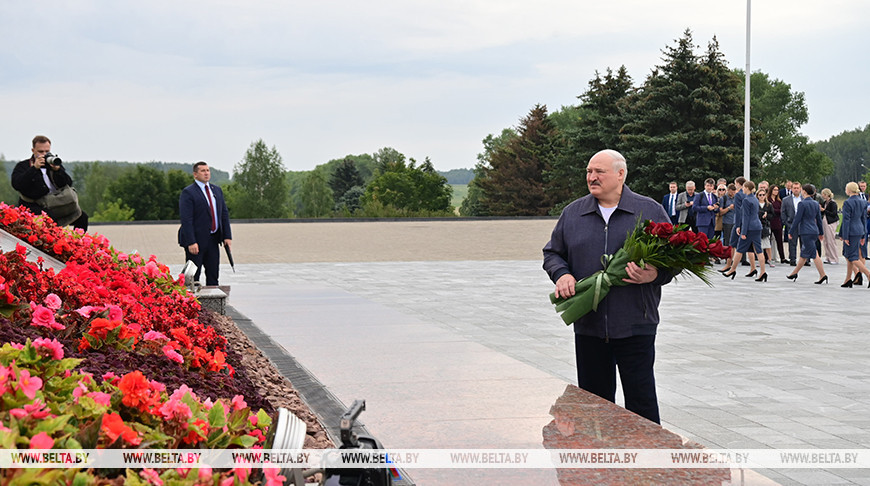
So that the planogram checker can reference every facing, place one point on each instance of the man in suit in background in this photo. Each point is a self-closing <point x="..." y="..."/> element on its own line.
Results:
<point x="685" y="201"/>
<point x="205" y="224"/>
<point x="669" y="202"/>
<point x="706" y="208"/>
<point x="789" y="209"/>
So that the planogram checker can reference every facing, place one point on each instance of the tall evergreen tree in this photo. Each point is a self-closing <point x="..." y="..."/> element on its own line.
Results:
<point x="593" y="126"/>
<point x="513" y="184"/>
<point x="344" y="177"/>
<point x="682" y="122"/>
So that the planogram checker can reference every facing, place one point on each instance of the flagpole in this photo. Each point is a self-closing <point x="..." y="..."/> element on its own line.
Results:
<point x="746" y="96"/>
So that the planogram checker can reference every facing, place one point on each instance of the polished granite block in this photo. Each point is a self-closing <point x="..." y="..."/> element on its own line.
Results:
<point x="582" y="420"/>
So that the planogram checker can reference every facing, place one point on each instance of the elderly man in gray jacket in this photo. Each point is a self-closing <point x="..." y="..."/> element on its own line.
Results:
<point x="621" y="333"/>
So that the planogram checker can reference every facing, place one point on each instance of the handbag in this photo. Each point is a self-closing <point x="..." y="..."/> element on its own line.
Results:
<point x="62" y="206"/>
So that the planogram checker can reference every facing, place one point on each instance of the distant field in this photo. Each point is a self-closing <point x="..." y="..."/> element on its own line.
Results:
<point x="459" y="193"/>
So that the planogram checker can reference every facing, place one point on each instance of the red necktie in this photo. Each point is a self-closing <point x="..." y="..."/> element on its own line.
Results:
<point x="211" y="209"/>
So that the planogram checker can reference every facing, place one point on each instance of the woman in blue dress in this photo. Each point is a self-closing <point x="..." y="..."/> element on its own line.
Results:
<point x="749" y="233"/>
<point x="852" y="232"/>
<point x="808" y="226"/>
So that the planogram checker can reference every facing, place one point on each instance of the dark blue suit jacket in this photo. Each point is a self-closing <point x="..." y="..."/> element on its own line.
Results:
<point x="196" y="219"/>
<point x="807" y="219"/>
<point x="854" y="218"/>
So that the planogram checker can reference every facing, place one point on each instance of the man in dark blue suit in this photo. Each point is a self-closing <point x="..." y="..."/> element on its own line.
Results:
<point x="669" y="202"/>
<point x="205" y="223"/>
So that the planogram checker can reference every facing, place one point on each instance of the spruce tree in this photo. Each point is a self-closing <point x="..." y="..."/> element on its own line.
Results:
<point x="682" y="122"/>
<point x="513" y="184"/>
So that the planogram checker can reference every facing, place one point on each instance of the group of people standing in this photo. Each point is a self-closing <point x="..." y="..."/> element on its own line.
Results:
<point x="758" y="221"/>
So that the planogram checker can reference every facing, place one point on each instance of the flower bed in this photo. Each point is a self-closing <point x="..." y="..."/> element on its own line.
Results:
<point x="112" y="352"/>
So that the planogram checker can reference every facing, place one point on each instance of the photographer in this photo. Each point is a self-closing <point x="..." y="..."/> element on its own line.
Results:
<point x="40" y="177"/>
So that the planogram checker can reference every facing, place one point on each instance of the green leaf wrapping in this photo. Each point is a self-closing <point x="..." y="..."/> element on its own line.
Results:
<point x="590" y="291"/>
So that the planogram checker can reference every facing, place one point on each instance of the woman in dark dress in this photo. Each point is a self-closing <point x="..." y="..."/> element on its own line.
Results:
<point x="749" y="231"/>
<point x="852" y="231"/>
<point x="776" y="222"/>
<point x="808" y="226"/>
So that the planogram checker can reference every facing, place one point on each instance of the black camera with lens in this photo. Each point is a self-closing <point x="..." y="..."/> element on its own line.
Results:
<point x="52" y="159"/>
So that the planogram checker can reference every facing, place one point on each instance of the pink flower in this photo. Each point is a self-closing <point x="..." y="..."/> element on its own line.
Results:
<point x="228" y="481"/>
<point x="151" y="476"/>
<point x="176" y="409"/>
<point x="53" y="302"/>
<point x="3" y="429"/>
<point x="204" y="474"/>
<point x="17" y="346"/>
<point x="152" y="270"/>
<point x="172" y="354"/>
<point x="101" y="398"/>
<point x="29" y="384"/>
<point x="115" y="313"/>
<point x="154" y="336"/>
<point x="242" y="472"/>
<point x="35" y="410"/>
<point x="52" y="348"/>
<point x="87" y="310"/>
<point x="253" y="420"/>
<point x="273" y="478"/>
<point x="41" y="441"/>
<point x="122" y="257"/>
<point x="80" y="391"/>
<point x="6" y="376"/>
<point x="179" y="393"/>
<point x="111" y="377"/>
<point x="239" y="402"/>
<point x="156" y="386"/>
<point x="42" y="316"/>
<point x="136" y="258"/>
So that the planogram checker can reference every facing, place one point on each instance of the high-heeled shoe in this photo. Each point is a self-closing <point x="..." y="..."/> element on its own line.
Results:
<point x="847" y="284"/>
<point x="792" y="276"/>
<point x="731" y="274"/>
<point x="752" y="273"/>
<point x="859" y="279"/>
<point x="822" y="280"/>
<point x="762" y="277"/>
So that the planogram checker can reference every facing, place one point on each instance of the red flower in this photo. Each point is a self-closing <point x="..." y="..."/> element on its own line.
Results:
<point x="137" y="391"/>
<point x="701" y="242"/>
<point x="100" y="327"/>
<point x="681" y="238"/>
<point x="196" y="432"/>
<point x="114" y="427"/>
<point x="662" y="230"/>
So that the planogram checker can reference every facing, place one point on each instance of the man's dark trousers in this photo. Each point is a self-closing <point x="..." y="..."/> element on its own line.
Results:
<point x="598" y="359"/>
<point x="209" y="257"/>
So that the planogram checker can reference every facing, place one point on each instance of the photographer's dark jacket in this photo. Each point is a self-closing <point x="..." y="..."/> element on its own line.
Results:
<point x="29" y="183"/>
<point x="579" y="240"/>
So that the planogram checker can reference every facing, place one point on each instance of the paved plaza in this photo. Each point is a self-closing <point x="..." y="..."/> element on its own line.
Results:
<point x="469" y="353"/>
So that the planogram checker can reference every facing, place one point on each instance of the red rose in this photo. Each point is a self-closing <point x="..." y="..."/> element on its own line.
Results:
<point x="701" y="242"/>
<point x="681" y="238"/>
<point x="662" y="230"/>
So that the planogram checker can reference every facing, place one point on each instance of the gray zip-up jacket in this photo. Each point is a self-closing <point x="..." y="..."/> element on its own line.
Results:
<point x="579" y="240"/>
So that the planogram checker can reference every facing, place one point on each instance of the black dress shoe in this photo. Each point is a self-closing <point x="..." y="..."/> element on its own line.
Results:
<point x="793" y="276"/>
<point x="762" y="277"/>
<point x="822" y="280"/>
<point x="751" y="274"/>
<point x="847" y="285"/>
<point x="859" y="279"/>
<point x="792" y="263"/>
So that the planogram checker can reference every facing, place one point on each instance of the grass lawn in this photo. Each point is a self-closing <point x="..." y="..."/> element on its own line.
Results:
<point x="459" y="193"/>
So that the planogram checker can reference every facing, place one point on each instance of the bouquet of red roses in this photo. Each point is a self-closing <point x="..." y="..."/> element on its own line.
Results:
<point x="676" y="249"/>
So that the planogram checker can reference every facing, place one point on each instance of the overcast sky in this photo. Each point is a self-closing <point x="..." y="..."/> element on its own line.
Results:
<point x="181" y="81"/>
